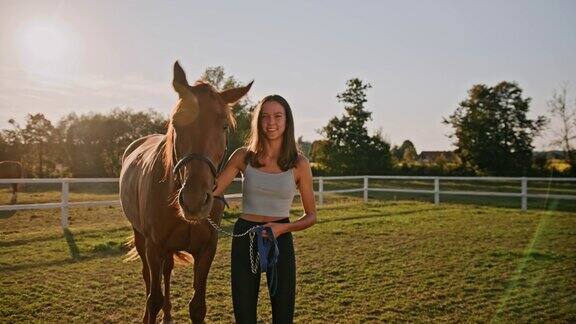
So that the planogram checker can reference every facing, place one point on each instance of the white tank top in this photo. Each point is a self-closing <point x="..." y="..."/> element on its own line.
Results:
<point x="267" y="194"/>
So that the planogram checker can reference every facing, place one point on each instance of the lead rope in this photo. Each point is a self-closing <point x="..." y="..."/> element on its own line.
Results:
<point x="254" y="262"/>
<point x="251" y="232"/>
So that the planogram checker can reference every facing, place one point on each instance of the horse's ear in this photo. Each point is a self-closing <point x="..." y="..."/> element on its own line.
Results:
<point x="232" y="96"/>
<point x="180" y="83"/>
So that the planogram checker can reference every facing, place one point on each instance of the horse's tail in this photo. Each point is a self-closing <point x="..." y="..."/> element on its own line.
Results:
<point x="183" y="258"/>
<point x="179" y="257"/>
<point x="132" y="254"/>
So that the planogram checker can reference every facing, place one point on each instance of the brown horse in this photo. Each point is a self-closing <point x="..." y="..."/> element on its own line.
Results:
<point x="12" y="170"/>
<point x="169" y="210"/>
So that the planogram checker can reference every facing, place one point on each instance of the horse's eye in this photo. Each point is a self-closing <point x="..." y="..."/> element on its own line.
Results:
<point x="226" y="127"/>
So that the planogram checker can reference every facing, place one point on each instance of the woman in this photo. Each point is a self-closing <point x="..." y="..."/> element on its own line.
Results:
<point x="272" y="169"/>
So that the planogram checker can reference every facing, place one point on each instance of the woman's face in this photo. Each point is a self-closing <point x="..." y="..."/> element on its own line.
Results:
<point x="272" y="120"/>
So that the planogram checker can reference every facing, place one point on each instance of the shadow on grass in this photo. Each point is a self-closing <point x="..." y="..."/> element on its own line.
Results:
<point x="379" y="215"/>
<point x="533" y="255"/>
<point x="534" y="204"/>
<point x="101" y="250"/>
<point x="5" y="214"/>
<point x="30" y="240"/>
<point x="56" y="263"/>
<point x="74" y="251"/>
<point x="537" y="256"/>
<point x="51" y="237"/>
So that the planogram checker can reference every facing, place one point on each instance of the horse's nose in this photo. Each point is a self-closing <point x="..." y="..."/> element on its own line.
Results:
<point x="195" y="205"/>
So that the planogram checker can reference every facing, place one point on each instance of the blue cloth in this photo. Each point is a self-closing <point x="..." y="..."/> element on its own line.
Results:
<point x="268" y="251"/>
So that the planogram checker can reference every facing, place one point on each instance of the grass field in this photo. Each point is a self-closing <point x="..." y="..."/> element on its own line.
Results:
<point x="382" y="261"/>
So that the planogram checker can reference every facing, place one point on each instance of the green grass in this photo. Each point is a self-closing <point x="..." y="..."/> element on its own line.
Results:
<point x="383" y="261"/>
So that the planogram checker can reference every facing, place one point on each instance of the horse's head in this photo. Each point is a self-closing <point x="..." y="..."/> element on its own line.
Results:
<point x="196" y="141"/>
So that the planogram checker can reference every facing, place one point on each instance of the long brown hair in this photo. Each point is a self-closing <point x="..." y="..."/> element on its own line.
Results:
<point x="255" y="142"/>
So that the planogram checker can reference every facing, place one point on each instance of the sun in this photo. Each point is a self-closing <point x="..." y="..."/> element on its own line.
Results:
<point x="44" y="43"/>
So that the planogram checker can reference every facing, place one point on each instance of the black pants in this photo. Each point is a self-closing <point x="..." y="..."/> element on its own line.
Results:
<point x="246" y="285"/>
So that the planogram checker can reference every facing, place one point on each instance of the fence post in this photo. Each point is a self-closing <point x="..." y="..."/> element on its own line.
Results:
<point x="320" y="191"/>
<point x="436" y="191"/>
<point x="65" y="191"/>
<point x="365" y="189"/>
<point x="524" y="194"/>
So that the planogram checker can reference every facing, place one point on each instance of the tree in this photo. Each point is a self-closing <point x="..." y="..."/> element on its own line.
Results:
<point x="129" y="126"/>
<point x="11" y="146"/>
<point x="410" y="154"/>
<point x="566" y="133"/>
<point x="317" y="150"/>
<point x="93" y="144"/>
<point x="492" y="131"/>
<point x="89" y="145"/>
<point x="305" y="146"/>
<point x="405" y="152"/>
<point x="242" y="110"/>
<point x="38" y="135"/>
<point x="348" y="148"/>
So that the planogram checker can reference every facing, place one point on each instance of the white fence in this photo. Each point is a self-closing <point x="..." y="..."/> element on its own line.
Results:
<point x="523" y="194"/>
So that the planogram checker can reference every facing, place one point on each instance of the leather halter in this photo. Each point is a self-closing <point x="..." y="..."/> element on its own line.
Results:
<point x="196" y="156"/>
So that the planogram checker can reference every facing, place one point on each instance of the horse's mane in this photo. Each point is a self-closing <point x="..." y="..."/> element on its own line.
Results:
<point x="169" y="141"/>
<point x="169" y="150"/>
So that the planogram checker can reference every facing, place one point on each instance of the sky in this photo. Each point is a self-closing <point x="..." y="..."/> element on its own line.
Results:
<point x="421" y="57"/>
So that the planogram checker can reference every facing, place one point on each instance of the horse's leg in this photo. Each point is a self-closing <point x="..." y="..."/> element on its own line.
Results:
<point x="155" y="299"/>
<point x="140" y="243"/>
<point x="14" y="192"/>
<point x="202" y="263"/>
<point x="167" y="308"/>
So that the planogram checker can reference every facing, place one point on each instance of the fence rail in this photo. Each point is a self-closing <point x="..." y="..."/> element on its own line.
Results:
<point x="523" y="194"/>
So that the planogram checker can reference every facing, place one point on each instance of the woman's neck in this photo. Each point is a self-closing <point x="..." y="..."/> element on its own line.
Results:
<point x="272" y="148"/>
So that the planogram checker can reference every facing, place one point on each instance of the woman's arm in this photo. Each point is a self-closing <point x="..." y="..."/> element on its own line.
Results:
<point x="308" y="202"/>
<point x="235" y="164"/>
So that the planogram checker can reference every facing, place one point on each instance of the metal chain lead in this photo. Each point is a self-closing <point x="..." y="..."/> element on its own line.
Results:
<point x="254" y="262"/>
<point x="220" y="229"/>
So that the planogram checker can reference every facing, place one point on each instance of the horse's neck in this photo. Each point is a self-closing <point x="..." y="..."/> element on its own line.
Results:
<point x="164" y="177"/>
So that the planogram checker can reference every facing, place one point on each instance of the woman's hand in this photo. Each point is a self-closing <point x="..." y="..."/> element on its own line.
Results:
<point x="277" y="229"/>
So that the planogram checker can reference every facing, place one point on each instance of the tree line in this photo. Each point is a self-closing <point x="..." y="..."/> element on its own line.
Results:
<point x="92" y="144"/>
<point x="491" y="131"/>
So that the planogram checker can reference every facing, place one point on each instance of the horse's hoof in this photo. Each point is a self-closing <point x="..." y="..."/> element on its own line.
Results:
<point x="167" y="320"/>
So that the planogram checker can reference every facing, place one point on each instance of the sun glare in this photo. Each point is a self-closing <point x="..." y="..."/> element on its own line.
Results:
<point x="44" y="43"/>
